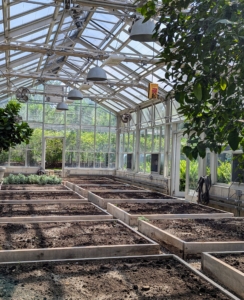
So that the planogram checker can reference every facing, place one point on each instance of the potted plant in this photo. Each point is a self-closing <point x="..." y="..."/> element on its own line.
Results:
<point x="12" y="130"/>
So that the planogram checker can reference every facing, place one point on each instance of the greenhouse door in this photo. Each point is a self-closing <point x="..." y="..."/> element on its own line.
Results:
<point x="54" y="153"/>
<point x="179" y="183"/>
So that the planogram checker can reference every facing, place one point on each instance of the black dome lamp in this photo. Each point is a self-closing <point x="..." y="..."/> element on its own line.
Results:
<point x="96" y="74"/>
<point x="142" y="32"/>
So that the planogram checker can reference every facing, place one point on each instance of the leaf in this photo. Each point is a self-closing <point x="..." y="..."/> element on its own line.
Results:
<point x="197" y="90"/>
<point x="187" y="151"/>
<point x="234" y="140"/>
<point x="223" y="83"/>
<point x="201" y="149"/>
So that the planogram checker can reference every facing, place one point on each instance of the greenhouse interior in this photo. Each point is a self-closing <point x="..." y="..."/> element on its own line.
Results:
<point x="92" y="94"/>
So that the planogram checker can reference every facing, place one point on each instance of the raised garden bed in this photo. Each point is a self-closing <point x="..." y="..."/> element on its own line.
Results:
<point x="32" y="187"/>
<point x="157" y="277"/>
<point x="227" y="268"/>
<point x="129" y="212"/>
<point x="114" y="197"/>
<point x="77" y="239"/>
<point x="191" y="237"/>
<point x="92" y="181"/>
<point x="84" y="189"/>
<point x="51" y="212"/>
<point x="39" y="195"/>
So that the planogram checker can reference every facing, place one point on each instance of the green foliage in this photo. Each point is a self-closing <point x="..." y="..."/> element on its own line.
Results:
<point x="203" y="51"/>
<point x="224" y="172"/>
<point x="193" y="175"/>
<point x="12" y="131"/>
<point x="31" y="179"/>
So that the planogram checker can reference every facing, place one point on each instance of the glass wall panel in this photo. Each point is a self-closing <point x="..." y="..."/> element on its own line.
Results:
<point x="73" y="114"/>
<point x="72" y="141"/>
<point x="51" y="114"/>
<point x="126" y="142"/>
<point x="112" y="160"/>
<point x="86" y="160"/>
<point x="71" y="159"/>
<point x="112" y="141"/>
<point x="87" y="114"/>
<point x="4" y="158"/>
<point x="224" y="167"/>
<point x="102" y="117"/>
<point x="156" y="140"/>
<point x="131" y="142"/>
<point x="148" y="163"/>
<point x="87" y="140"/>
<point x="149" y="140"/>
<point x="141" y="163"/>
<point x="34" y="149"/>
<point x="193" y="174"/>
<point x="17" y="155"/>
<point x="142" y="140"/>
<point x="102" y="140"/>
<point x="35" y="112"/>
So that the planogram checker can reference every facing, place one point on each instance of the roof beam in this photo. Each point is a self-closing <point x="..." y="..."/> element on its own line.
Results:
<point x="59" y="50"/>
<point x="124" y="5"/>
<point x="47" y="76"/>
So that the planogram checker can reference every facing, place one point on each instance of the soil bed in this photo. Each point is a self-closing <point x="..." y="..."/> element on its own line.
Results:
<point x="105" y="279"/>
<point x="132" y="195"/>
<point x="38" y="195"/>
<point x="66" y="234"/>
<point x="32" y="187"/>
<point x="16" y="210"/>
<point x="87" y="177"/>
<point x="236" y="260"/>
<point x="115" y="187"/>
<point x="88" y="181"/>
<point x="203" y="230"/>
<point x="165" y="208"/>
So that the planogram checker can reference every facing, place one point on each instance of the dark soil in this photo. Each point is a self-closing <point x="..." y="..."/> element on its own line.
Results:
<point x="38" y="195"/>
<point x="87" y="177"/>
<point x="235" y="260"/>
<point x="115" y="187"/>
<point x="165" y="208"/>
<point x="137" y="279"/>
<point x="110" y="184"/>
<point x="204" y="230"/>
<point x="133" y="195"/>
<point x="16" y="210"/>
<point x="66" y="234"/>
<point x="32" y="187"/>
<point x="107" y="181"/>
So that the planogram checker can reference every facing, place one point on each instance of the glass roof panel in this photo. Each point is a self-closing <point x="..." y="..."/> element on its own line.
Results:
<point x="22" y="7"/>
<point x="30" y="17"/>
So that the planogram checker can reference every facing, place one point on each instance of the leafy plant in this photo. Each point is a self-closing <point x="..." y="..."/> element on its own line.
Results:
<point x="224" y="172"/>
<point x="203" y="54"/>
<point x="31" y="179"/>
<point x="12" y="130"/>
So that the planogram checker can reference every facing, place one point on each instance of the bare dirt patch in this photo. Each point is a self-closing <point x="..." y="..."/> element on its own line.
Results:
<point x="113" y="187"/>
<point x="32" y="187"/>
<point x="236" y="260"/>
<point x="203" y="230"/>
<point x="66" y="234"/>
<point x="165" y="208"/>
<point x="38" y="195"/>
<point x="132" y="195"/>
<point x="111" y="280"/>
<point x="20" y="210"/>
